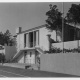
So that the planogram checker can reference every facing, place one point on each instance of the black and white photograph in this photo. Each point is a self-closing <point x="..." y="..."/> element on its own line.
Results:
<point x="39" y="39"/>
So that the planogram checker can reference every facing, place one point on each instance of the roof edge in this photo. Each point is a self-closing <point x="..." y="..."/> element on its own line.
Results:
<point x="32" y="29"/>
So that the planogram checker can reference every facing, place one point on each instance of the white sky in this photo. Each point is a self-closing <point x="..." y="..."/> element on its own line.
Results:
<point x="26" y="15"/>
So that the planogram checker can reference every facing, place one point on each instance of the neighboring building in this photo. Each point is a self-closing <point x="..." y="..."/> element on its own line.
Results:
<point x="33" y="42"/>
<point x="71" y="33"/>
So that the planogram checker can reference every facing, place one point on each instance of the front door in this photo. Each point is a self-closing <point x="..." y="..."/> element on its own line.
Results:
<point x="32" y="57"/>
<point x="29" y="57"/>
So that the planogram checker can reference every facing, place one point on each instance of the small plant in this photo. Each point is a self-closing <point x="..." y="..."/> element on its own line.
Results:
<point x="38" y="60"/>
<point x="58" y="50"/>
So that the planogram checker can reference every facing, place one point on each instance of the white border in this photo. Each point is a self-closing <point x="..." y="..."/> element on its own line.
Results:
<point x="40" y="1"/>
<point x="6" y="1"/>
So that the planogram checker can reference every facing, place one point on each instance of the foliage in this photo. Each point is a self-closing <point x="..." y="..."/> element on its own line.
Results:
<point x="38" y="60"/>
<point x="73" y="15"/>
<point x="54" y="20"/>
<point x="58" y="50"/>
<point x="1" y="38"/>
<point x="54" y="50"/>
<point x="6" y="38"/>
<point x="2" y="58"/>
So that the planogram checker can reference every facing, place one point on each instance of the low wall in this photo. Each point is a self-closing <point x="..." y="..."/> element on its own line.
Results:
<point x="68" y="63"/>
<point x="67" y="45"/>
<point x="10" y="51"/>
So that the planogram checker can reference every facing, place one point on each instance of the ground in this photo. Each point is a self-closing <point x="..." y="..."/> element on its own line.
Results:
<point x="6" y="71"/>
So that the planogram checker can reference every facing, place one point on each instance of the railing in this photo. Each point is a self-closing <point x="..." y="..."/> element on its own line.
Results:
<point x="32" y="44"/>
<point x="29" y="45"/>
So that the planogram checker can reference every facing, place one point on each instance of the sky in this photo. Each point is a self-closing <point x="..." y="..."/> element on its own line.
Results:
<point x="26" y="15"/>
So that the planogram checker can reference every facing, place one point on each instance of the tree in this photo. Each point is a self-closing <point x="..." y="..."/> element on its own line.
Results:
<point x="8" y="38"/>
<point x="54" y="20"/>
<point x="1" y="38"/>
<point x="73" y="16"/>
<point x="2" y="58"/>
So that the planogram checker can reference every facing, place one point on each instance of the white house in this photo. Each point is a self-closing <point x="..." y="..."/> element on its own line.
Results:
<point x="31" y="43"/>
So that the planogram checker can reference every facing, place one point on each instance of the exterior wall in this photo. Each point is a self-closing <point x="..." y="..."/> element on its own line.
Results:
<point x="21" y="58"/>
<point x="10" y="51"/>
<point x="70" y="34"/>
<point x="27" y="58"/>
<point x="68" y="63"/>
<point x="31" y="59"/>
<point x="59" y="36"/>
<point x="20" y="42"/>
<point x="43" y="38"/>
<point x="67" y="45"/>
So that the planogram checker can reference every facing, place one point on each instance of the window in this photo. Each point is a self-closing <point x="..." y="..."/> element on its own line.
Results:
<point x="31" y="39"/>
<point x="30" y="54"/>
<point x="34" y="38"/>
<point x="24" y="40"/>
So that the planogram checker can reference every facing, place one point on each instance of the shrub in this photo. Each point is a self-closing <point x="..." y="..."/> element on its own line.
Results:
<point x="58" y="50"/>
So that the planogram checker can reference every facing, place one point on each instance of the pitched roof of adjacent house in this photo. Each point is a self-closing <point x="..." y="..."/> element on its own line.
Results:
<point x="72" y="25"/>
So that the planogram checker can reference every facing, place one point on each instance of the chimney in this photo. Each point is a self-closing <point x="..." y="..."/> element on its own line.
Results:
<point x="18" y="30"/>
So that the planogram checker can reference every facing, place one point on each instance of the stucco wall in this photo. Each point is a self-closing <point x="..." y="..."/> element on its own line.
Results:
<point x="67" y="45"/>
<point x="43" y="38"/>
<point x="10" y="51"/>
<point x="32" y="58"/>
<point x="68" y="63"/>
<point x="21" y="58"/>
<point x="20" y="41"/>
<point x="28" y="59"/>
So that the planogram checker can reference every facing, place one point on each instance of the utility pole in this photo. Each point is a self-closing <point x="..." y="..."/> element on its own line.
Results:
<point x="63" y="25"/>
